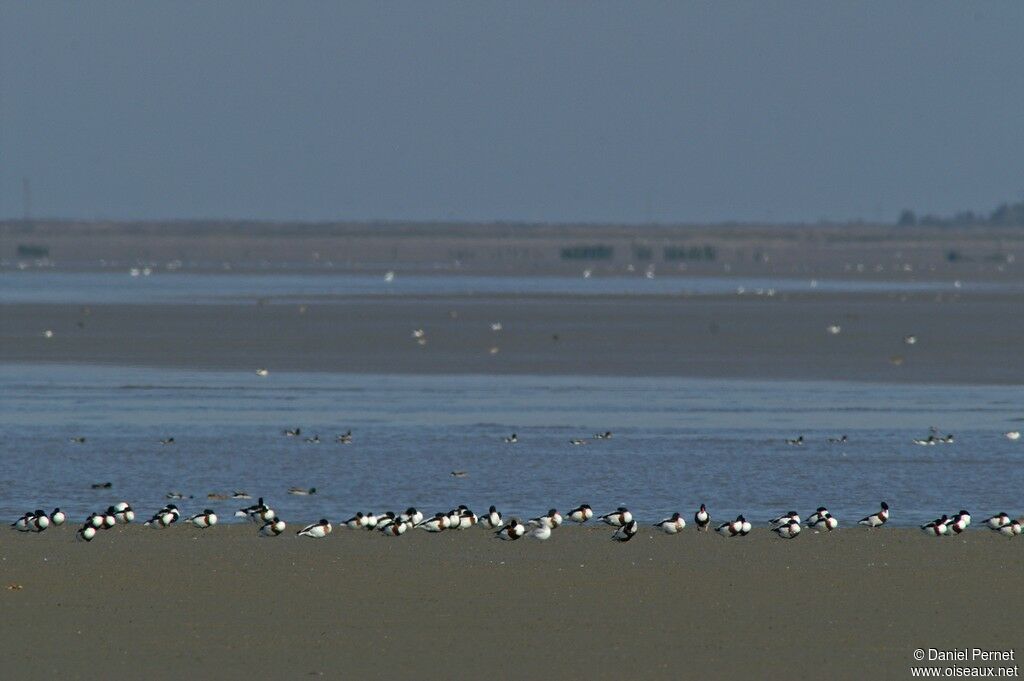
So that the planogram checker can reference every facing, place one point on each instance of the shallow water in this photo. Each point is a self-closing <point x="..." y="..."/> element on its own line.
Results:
<point x="677" y="443"/>
<point x="34" y="286"/>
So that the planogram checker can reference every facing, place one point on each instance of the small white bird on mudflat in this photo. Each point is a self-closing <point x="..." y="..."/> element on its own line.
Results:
<point x="960" y="522"/>
<point x="257" y="513"/>
<point x="825" y="523"/>
<point x="22" y="523"/>
<point x="784" y="519"/>
<point x="997" y="521"/>
<point x="204" y="520"/>
<point x="732" y="528"/>
<point x="411" y="515"/>
<point x="552" y="519"/>
<point x="876" y="519"/>
<point x="384" y="521"/>
<point x="397" y="528"/>
<point x="491" y="520"/>
<point x="165" y="517"/>
<point x="938" y="527"/>
<point x="40" y="521"/>
<point x="85" y="533"/>
<point x="511" y="531"/>
<point x="272" y="528"/>
<point x="822" y="512"/>
<point x="789" y="531"/>
<point x="541" y="532"/>
<point x="439" y="523"/>
<point x="702" y="519"/>
<point x="123" y="512"/>
<point x="617" y="518"/>
<point x="581" y="514"/>
<point x="626" y="532"/>
<point x="672" y="525"/>
<point x="1011" y="530"/>
<point x="316" y="530"/>
<point x="58" y="517"/>
<point x="356" y="522"/>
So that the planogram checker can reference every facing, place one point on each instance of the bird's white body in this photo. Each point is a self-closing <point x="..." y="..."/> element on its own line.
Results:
<point x="316" y="531"/>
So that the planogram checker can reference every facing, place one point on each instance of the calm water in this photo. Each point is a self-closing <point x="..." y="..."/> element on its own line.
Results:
<point x="677" y="442"/>
<point x="176" y="287"/>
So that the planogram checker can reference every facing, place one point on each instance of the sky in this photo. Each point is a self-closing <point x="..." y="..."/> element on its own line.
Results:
<point x="524" y="111"/>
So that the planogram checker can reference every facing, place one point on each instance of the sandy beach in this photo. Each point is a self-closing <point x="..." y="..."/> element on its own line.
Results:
<point x="222" y="603"/>
<point x="970" y="338"/>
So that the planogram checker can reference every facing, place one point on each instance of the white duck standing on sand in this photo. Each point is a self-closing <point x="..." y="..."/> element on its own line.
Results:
<point x="491" y="520"/>
<point x="876" y="519"/>
<point x="672" y="525"/>
<point x="581" y="514"/>
<point x="204" y="520"/>
<point x="702" y="519"/>
<point x="109" y="519"/>
<point x="58" y="517"/>
<point x="626" y="532"/>
<point x="511" y="531"/>
<point x="272" y="528"/>
<point x="617" y="518"/>
<point x="317" y="530"/>
<point x="85" y="533"/>
<point x="789" y="531"/>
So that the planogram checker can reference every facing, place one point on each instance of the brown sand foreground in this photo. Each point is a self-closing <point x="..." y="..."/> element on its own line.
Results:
<point x="974" y="338"/>
<point x="221" y="603"/>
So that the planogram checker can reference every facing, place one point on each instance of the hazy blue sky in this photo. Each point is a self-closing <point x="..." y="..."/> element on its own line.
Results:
<point x="612" y="111"/>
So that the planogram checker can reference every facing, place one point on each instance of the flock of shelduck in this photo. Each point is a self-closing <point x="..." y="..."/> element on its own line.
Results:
<point x="541" y="528"/>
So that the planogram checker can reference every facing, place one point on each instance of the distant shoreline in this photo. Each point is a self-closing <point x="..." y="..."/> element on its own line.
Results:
<point x="805" y="250"/>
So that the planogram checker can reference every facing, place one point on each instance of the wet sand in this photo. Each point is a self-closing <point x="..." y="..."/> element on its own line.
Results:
<point x="221" y="603"/>
<point x="971" y="338"/>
